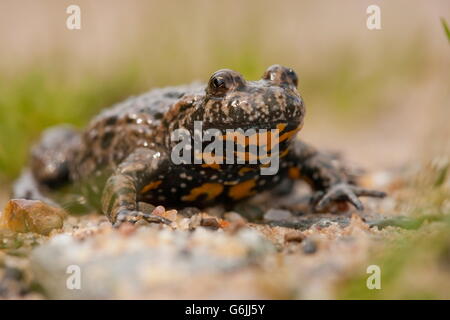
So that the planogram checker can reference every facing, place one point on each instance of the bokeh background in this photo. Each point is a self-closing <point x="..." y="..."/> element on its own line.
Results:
<point x="381" y="97"/>
<point x="377" y="95"/>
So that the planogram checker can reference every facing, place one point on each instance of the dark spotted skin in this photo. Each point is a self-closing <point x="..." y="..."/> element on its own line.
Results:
<point x="123" y="157"/>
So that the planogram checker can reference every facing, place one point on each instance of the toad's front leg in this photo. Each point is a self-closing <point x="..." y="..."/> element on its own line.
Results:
<point x="119" y="200"/>
<point x="331" y="184"/>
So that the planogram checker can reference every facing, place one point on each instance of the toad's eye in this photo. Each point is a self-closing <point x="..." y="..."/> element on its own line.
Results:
<point x="223" y="81"/>
<point x="218" y="83"/>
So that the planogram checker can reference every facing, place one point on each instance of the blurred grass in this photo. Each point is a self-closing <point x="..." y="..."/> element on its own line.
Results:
<point x="414" y="267"/>
<point x="41" y="97"/>
<point x="446" y="28"/>
<point x="415" y="264"/>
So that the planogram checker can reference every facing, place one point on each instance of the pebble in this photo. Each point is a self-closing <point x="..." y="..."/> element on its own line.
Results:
<point x="277" y="215"/>
<point x="159" y="210"/>
<point x="309" y="246"/>
<point x="210" y="223"/>
<point x="189" y="211"/>
<point x="22" y="215"/>
<point x="234" y="217"/>
<point x="294" y="236"/>
<point x="145" y="207"/>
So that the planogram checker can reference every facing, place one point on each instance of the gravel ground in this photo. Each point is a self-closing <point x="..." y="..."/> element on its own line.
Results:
<point x="282" y="252"/>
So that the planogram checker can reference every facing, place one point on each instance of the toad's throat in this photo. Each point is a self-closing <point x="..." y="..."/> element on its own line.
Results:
<point x="239" y="146"/>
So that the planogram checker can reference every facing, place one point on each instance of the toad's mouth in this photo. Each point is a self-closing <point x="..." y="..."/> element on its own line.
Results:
<point x="278" y="132"/>
<point x="283" y="127"/>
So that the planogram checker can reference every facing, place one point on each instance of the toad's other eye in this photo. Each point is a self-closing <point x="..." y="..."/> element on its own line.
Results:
<point x="280" y="75"/>
<point x="293" y="76"/>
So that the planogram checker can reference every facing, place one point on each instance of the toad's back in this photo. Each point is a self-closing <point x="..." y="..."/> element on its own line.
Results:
<point x="117" y="131"/>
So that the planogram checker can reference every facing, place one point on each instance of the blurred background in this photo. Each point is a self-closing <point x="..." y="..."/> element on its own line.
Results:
<point x="378" y="95"/>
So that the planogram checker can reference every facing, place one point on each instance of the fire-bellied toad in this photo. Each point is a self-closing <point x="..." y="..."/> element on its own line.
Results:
<point x="125" y="156"/>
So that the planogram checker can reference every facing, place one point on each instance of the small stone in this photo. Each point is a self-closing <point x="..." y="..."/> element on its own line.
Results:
<point x="323" y="223"/>
<point x="309" y="246"/>
<point x="234" y="217"/>
<point x="127" y="229"/>
<point x="294" y="236"/>
<point x="223" y="223"/>
<point x="249" y="211"/>
<point x="159" y="210"/>
<point x="13" y="273"/>
<point x="277" y="215"/>
<point x="236" y="221"/>
<point x="210" y="223"/>
<point x="216" y="211"/>
<point x="234" y="227"/>
<point x="171" y="215"/>
<point x="189" y="211"/>
<point x="195" y="221"/>
<point x="22" y="215"/>
<point x="145" y="207"/>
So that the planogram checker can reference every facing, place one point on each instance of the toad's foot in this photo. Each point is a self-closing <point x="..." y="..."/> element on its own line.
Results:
<point x="134" y="216"/>
<point x="347" y="192"/>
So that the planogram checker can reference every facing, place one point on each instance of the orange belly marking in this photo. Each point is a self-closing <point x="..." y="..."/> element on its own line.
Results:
<point x="294" y="173"/>
<point x="151" y="186"/>
<point x="212" y="190"/>
<point x="242" y="190"/>
<point x="215" y="166"/>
